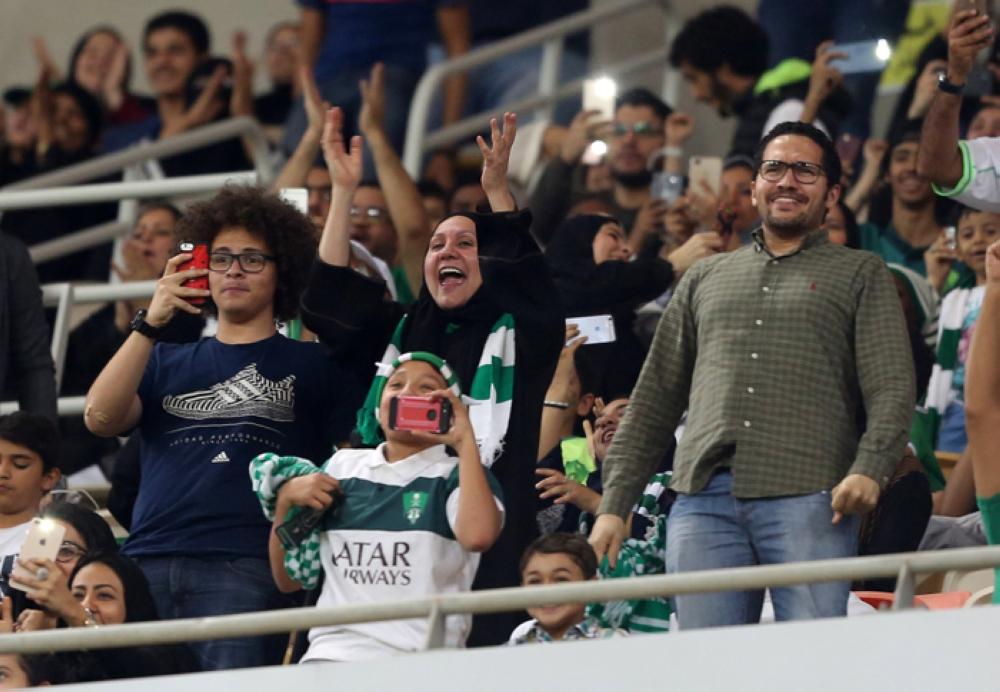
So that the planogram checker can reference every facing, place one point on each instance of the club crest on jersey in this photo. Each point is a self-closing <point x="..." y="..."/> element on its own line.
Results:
<point x="414" y="504"/>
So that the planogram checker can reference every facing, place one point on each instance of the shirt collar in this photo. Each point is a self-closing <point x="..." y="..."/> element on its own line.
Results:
<point x="411" y="466"/>
<point x="812" y="239"/>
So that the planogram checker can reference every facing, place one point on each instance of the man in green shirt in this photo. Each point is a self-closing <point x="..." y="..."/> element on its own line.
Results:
<point x="792" y="359"/>
<point x="913" y="228"/>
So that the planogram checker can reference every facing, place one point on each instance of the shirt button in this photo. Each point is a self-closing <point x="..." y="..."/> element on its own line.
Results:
<point x="758" y="322"/>
<point x="750" y="390"/>
<point x="766" y="289"/>
<point x="754" y="356"/>
<point x="746" y="424"/>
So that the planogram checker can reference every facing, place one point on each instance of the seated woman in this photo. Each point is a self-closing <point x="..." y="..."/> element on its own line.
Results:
<point x="100" y="64"/>
<point x="589" y="260"/>
<point x="485" y="283"/>
<point x="404" y="520"/>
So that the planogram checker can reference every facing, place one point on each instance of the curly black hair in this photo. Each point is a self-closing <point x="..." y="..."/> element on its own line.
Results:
<point x="288" y="233"/>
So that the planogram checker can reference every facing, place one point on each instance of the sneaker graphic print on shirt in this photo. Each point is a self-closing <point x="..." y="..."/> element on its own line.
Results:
<point x="247" y="393"/>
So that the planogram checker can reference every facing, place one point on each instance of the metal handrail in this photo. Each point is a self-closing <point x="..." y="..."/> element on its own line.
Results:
<point x="510" y="599"/>
<point x="75" y="242"/>
<point x="144" y="151"/>
<point x="104" y="192"/>
<point x="550" y="35"/>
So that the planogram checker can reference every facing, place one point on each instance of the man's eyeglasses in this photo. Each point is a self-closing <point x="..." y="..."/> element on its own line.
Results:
<point x="69" y="551"/>
<point x="643" y="128"/>
<point x="369" y="214"/>
<point x="250" y="262"/>
<point x="805" y="172"/>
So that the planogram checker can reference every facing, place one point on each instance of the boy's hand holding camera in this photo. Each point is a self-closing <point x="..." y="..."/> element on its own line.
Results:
<point x="171" y="295"/>
<point x="459" y="436"/>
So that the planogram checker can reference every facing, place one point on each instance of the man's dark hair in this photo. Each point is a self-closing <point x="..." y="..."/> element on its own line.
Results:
<point x="289" y="235"/>
<point x="35" y="432"/>
<point x="157" y="204"/>
<point x="185" y="22"/>
<point x="572" y="544"/>
<point x="431" y="188"/>
<point x="722" y="36"/>
<point x="644" y="97"/>
<point x="830" y="161"/>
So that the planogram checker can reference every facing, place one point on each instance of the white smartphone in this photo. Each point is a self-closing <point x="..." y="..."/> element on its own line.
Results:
<point x="599" y="329"/>
<point x="704" y="170"/>
<point x="298" y="197"/>
<point x="42" y="543"/>
<point x="599" y="95"/>
<point x="862" y="56"/>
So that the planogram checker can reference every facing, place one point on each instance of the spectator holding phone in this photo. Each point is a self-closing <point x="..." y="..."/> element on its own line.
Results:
<point x="204" y="409"/>
<point x="485" y="306"/>
<point x="404" y="520"/>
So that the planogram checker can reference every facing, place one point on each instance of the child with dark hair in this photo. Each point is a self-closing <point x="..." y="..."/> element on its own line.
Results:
<point x="29" y="468"/>
<point x="554" y="559"/>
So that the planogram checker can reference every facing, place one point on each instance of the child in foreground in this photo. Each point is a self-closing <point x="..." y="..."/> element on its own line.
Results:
<point x="410" y="521"/>
<point x="554" y="559"/>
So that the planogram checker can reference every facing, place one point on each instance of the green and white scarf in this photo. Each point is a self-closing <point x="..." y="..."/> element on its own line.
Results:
<point x="940" y="393"/>
<point x="489" y="396"/>
<point x="267" y="473"/>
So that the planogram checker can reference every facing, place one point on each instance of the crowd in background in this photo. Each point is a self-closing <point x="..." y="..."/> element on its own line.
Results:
<point x="790" y="331"/>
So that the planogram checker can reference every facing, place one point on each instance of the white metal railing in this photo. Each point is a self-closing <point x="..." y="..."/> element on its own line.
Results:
<point x="551" y="36"/>
<point x="145" y="151"/>
<point x="436" y="608"/>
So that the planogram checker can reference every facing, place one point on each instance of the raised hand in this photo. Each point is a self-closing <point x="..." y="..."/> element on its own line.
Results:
<point x="496" y="156"/>
<point x="970" y="32"/>
<point x="824" y="78"/>
<point x="372" y="115"/>
<point x="993" y="263"/>
<point x="316" y="108"/>
<point x="241" y="102"/>
<point x="345" y="166"/>
<point x="678" y="129"/>
<point x="171" y="295"/>
<point x="582" y="131"/>
<point x="113" y="88"/>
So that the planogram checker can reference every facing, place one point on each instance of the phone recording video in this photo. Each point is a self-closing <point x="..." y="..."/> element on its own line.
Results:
<point x="420" y="413"/>
<point x="199" y="260"/>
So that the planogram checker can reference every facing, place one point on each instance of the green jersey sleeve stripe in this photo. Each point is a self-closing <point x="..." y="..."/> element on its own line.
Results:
<point x="968" y="174"/>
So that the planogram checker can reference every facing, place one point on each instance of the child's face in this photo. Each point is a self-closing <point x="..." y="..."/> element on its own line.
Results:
<point x="976" y="231"/>
<point x="412" y="378"/>
<point x="554" y="568"/>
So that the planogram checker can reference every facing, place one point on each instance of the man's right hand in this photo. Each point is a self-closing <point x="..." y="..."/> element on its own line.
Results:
<point x="939" y="259"/>
<point x="582" y="131"/>
<point x="993" y="263"/>
<point x="607" y="536"/>
<point x="970" y="32"/>
<point x="344" y="165"/>
<point x="171" y="295"/>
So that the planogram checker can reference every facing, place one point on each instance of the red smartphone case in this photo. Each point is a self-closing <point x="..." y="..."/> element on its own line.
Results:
<point x="199" y="260"/>
<point x="419" y="413"/>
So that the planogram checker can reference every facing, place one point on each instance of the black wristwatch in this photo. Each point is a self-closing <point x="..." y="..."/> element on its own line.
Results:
<point x="139" y="324"/>
<point x="947" y="87"/>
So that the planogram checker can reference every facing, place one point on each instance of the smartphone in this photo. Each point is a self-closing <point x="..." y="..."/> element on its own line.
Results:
<point x="199" y="260"/>
<point x="42" y="543"/>
<point x="599" y="95"/>
<point x="949" y="234"/>
<point x="667" y="186"/>
<point x="862" y="57"/>
<point x="977" y="5"/>
<point x="704" y="169"/>
<point x="298" y="197"/>
<point x="979" y="82"/>
<point x="848" y="146"/>
<point x="293" y="531"/>
<point x="599" y="329"/>
<point x="419" y="413"/>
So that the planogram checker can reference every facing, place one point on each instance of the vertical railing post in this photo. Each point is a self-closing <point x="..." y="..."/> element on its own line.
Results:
<point x="60" y="331"/>
<point x="905" y="586"/>
<point x="435" y="629"/>
<point x="548" y="77"/>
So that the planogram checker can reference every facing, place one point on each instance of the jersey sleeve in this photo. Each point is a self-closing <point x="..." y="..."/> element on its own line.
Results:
<point x="453" y="494"/>
<point x="979" y="186"/>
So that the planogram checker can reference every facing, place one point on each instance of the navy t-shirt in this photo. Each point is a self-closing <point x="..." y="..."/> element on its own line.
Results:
<point x="359" y="33"/>
<point x="208" y="408"/>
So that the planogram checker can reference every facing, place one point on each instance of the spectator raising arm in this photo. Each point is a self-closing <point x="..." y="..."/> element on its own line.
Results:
<point x="496" y="157"/>
<point x="939" y="156"/>
<point x="345" y="175"/>
<point x="982" y="386"/>
<point x="311" y="38"/>
<point x="456" y="35"/>
<point x="406" y="206"/>
<point x="113" y="405"/>
<point x="295" y="170"/>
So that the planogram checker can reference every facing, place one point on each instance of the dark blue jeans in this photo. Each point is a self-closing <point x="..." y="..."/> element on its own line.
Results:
<point x="712" y="529"/>
<point x="190" y="587"/>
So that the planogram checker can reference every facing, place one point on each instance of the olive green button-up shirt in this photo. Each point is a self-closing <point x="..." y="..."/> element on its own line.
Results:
<point x="795" y="371"/>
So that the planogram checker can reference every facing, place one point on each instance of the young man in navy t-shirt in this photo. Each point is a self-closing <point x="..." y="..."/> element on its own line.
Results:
<point x="205" y="409"/>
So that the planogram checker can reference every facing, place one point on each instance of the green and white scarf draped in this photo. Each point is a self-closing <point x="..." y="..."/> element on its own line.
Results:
<point x="489" y="395"/>
<point x="267" y="473"/>
<point x="940" y="393"/>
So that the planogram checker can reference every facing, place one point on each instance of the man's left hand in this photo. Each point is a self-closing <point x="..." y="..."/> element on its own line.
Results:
<point x="856" y="494"/>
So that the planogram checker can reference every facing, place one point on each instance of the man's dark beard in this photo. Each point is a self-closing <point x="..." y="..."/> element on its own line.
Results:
<point x="633" y="181"/>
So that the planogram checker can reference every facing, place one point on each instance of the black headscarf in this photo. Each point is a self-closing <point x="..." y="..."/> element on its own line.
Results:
<point x="139" y="605"/>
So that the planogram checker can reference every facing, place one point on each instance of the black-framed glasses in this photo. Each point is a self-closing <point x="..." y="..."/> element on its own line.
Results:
<point x="370" y="214"/>
<point x="805" y="172"/>
<point x="250" y="262"/>
<point x="69" y="551"/>
<point x="643" y="128"/>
